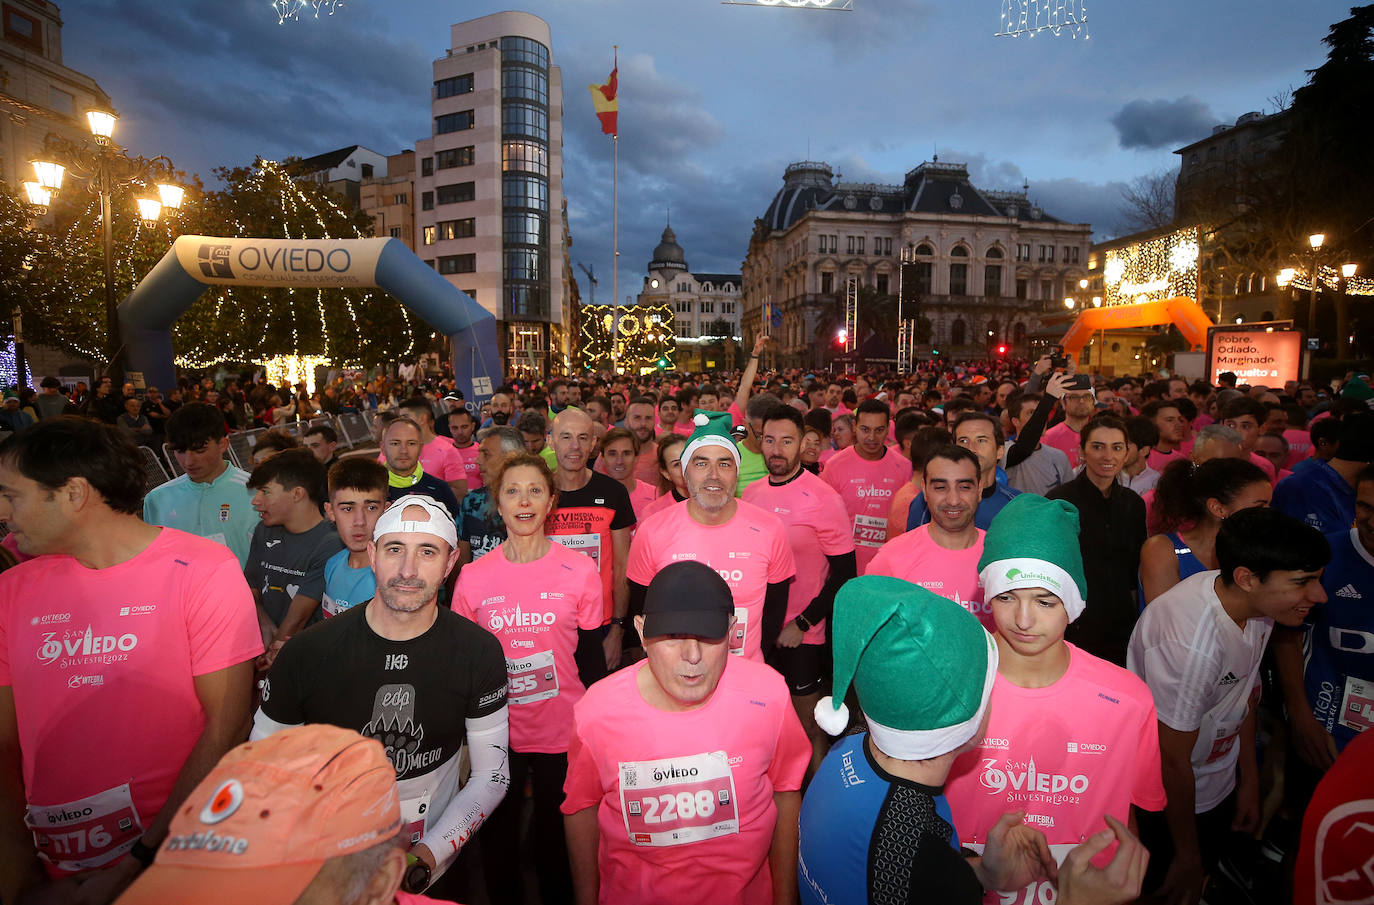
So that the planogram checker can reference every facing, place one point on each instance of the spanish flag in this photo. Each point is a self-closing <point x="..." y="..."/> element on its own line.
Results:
<point x="604" y="100"/>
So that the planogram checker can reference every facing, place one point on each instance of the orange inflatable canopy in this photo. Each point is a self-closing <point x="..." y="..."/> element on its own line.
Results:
<point x="1191" y="320"/>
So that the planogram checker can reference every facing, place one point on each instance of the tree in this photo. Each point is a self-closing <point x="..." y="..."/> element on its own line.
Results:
<point x="20" y="247"/>
<point x="64" y="293"/>
<point x="1148" y="202"/>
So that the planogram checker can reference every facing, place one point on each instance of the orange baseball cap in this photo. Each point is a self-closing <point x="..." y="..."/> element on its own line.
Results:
<point x="261" y="824"/>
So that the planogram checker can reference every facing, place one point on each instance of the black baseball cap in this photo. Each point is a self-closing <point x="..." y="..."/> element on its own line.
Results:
<point x="688" y="598"/>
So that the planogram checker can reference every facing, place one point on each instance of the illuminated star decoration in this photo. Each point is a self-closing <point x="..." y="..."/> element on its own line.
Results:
<point x="291" y="9"/>
<point x="646" y="336"/>
<point x="1030" y="17"/>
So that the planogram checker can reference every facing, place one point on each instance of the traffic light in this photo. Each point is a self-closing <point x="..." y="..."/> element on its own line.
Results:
<point x="841" y="336"/>
<point x="1002" y="350"/>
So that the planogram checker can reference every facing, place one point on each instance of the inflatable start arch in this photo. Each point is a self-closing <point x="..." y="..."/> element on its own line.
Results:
<point x="193" y="262"/>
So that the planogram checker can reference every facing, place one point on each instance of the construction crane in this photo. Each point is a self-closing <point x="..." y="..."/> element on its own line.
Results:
<point x="591" y="280"/>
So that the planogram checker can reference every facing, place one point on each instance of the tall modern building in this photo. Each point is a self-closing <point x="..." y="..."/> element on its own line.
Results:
<point x="38" y="94"/>
<point x="491" y="216"/>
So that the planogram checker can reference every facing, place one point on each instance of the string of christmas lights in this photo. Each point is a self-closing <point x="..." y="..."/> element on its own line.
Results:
<point x="1331" y="277"/>
<point x="645" y="337"/>
<point x="292" y="9"/>
<point x="1030" y="17"/>
<point x="1160" y="268"/>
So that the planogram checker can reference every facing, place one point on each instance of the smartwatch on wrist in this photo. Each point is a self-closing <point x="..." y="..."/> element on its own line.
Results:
<point x="416" y="876"/>
<point x="621" y="621"/>
<point x="803" y="623"/>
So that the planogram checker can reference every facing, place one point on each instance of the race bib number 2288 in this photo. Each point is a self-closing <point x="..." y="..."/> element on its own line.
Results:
<point x="678" y="800"/>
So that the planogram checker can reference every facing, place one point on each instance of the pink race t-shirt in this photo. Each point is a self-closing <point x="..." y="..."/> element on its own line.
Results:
<point x="535" y="609"/>
<point x="102" y="663"/>
<point x="867" y="489"/>
<point x="1066" y="754"/>
<point x="817" y="526"/>
<point x="1266" y="466"/>
<point x="468" y="455"/>
<point x="1158" y="460"/>
<point x="658" y="504"/>
<point x="1065" y="439"/>
<point x="439" y="458"/>
<point x="952" y="574"/>
<point x="1299" y="446"/>
<point x="684" y="800"/>
<point x="750" y="552"/>
<point x="640" y="498"/>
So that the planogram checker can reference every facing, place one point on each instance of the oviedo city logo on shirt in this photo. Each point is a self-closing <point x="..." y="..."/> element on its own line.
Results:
<point x="77" y="648"/>
<point x="1025" y="783"/>
<point x="869" y="492"/>
<point x="517" y="618"/>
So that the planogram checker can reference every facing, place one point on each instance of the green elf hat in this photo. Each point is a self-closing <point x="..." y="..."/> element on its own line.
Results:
<point x="1033" y="543"/>
<point x="712" y="429"/>
<point x="922" y="666"/>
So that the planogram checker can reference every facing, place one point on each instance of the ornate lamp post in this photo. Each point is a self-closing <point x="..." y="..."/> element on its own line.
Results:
<point x="106" y="168"/>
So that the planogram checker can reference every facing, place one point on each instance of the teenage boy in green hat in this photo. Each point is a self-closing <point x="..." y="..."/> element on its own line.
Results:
<point x="1070" y="736"/>
<point x="875" y="826"/>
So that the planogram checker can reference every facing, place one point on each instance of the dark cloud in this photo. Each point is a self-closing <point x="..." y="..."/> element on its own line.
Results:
<point x="1158" y="124"/>
<point x="216" y="85"/>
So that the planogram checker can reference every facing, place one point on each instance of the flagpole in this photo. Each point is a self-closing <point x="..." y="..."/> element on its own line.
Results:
<point x="615" y="233"/>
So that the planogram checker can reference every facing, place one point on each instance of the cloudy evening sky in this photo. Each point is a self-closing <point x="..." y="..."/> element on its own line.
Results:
<point x="716" y="100"/>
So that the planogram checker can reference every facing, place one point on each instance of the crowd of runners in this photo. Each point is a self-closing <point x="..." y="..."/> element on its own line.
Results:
<point x="991" y="631"/>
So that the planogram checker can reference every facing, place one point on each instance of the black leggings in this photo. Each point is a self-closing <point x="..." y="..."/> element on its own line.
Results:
<point x="547" y="851"/>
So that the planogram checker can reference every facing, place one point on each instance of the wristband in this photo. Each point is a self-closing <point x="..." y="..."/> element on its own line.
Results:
<point x="142" y="853"/>
<point x="621" y="621"/>
<point x="803" y="623"/>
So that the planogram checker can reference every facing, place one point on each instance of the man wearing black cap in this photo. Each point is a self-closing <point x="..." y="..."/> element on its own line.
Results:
<point x="684" y="769"/>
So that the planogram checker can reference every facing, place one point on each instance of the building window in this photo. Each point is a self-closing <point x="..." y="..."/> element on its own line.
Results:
<point x="827" y="283"/>
<point x="958" y="251"/>
<point x="453" y="157"/>
<point x="708" y="307"/>
<point x="1046" y="254"/>
<point x="395" y="232"/>
<point x="882" y="284"/>
<point x="23" y="30"/>
<point x="958" y="332"/>
<point x="520" y="83"/>
<point x="925" y="274"/>
<point x="992" y="280"/>
<point x="532" y="157"/>
<point x="524" y="120"/>
<point x="924" y="249"/>
<point x="882" y="247"/>
<point x="366" y="169"/>
<point x="849" y="244"/>
<point x="1071" y="254"/>
<point x="399" y="198"/>
<point x="456" y="264"/>
<point x="455" y="229"/>
<point x="527" y="301"/>
<point x="454" y="122"/>
<point x="426" y="201"/>
<point x="429" y="234"/>
<point x="525" y="191"/>
<point x="525" y="264"/>
<point x="1046" y="289"/>
<point x="994" y="254"/>
<point x="958" y="279"/>
<point x="429" y="262"/>
<point x="860" y="245"/>
<point x="426" y="166"/>
<point x="1021" y="290"/>
<point x="524" y="50"/>
<point x="1023" y="251"/>
<point x="727" y="307"/>
<point x="451" y="87"/>
<point x="455" y="193"/>
<point x="525" y="229"/>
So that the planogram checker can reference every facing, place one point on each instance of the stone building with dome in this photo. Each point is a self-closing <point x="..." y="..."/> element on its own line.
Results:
<point x="985" y="264"/>
<point x="705" y="306"/>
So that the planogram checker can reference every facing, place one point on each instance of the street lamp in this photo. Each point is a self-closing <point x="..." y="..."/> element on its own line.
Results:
<point x="106" y="168"/>
<point x="1348" y="270"/>
<point x="1068" y="302"/>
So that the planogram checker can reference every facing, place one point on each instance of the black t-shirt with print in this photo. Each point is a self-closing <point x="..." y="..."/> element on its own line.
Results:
<point x="412" y="696"/>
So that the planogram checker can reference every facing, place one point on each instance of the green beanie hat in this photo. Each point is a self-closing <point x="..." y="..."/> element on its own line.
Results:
<point x="922" y="666"/>
<point x="1033" y="543"/>
<point x="712" y="429"/>
<point x="1357" y="388"/>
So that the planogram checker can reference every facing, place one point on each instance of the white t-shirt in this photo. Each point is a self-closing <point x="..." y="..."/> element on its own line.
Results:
<point x="1201" y="668"/>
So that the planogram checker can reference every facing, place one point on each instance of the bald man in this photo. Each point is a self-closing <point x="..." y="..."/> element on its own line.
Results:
<point x="594" y="517"/>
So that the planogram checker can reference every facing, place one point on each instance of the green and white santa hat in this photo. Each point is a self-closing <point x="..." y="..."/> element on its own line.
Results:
<point x="1033" y="543"/>
<point x="712" y="429"/>
<point x="922" y="667"/>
